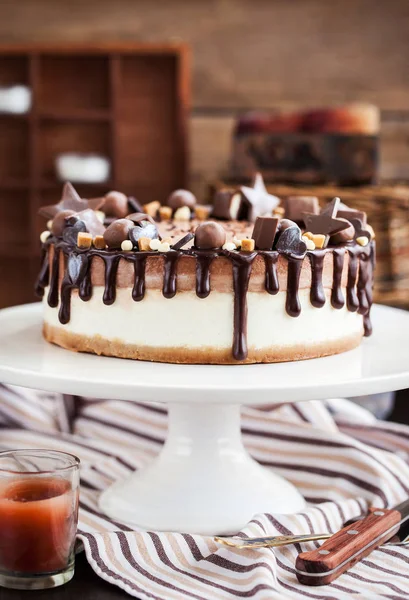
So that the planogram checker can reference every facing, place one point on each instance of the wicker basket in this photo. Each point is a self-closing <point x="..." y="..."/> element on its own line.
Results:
<point x="387" y="207"/>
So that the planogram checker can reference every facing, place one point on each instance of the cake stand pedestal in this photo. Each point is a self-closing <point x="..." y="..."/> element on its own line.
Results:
<point x="203" y="481"/>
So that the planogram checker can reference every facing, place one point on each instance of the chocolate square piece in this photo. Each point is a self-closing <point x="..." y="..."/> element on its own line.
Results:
<point x="264" y="232"/>
<point x="352" y="214"/>
<point x="296" y="206"/>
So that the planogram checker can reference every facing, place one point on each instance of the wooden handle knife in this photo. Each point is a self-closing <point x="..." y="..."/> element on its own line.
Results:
<point x="346" y="547"/>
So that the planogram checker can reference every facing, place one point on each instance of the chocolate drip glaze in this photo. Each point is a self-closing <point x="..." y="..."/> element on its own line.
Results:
<point x="85" y="287"/>
<point x="352" y="297"/>
<point x="111" y="268"/>
<point x="55" y="272"/>
<point x="44" y="275"/>
<point x="169" y="274"/>
<point x="241" y="276"/>
<point x="64" y="314"/>
<point x="203" y="262"/>
<point x="271" y="282"/>
<point x="77" y="274"/>
<point x="138" y="290"/>
<point x="317" y="294"/>
<point x="292" y="302"/>
<point x="337" y="298"/>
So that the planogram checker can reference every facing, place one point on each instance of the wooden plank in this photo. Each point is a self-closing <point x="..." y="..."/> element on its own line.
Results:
<point x="210" y="147"/>
<point x="246" y="53"/>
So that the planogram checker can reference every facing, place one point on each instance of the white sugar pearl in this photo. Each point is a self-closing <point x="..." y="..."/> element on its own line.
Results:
<point x="100" y="215"/>
<point x="44" y="236"/>
<point x="49" y="224"/>
<point x="164" y="247"/>
<point x="229" y="246"/>
<point x="154" y="244"/>
<point x="126" y="246"/>
<point x="362" y="240"/>
<point x="309" y="243"/>
<point x="182" y="214"/>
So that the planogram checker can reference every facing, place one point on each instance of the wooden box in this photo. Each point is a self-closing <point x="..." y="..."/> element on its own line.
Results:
<point x="126" y="101"/>
<point x="338" y="145"/>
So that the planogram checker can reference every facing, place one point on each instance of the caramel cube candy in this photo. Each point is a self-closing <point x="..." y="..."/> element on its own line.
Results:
<point x="151" y="208"/>
<point x="99" y="242"/>
<point x="165" y="213"/>
<point x="144" y="244"/>
<point x="248" y="245"/>
<point x="84" y="239"/>
<point x="279" y="212"/>
<point x="320" y="240"/>
<point x="202" y="212"/>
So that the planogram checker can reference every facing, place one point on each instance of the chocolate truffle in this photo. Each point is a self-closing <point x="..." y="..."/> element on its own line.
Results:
<point x="117" y="232"/>
<point x="209" y="235"/>
<point x="59" y="223"/>
<point x="226" y="205"/>
<point x="115" y="205"/>
<point x="180" y="198"/>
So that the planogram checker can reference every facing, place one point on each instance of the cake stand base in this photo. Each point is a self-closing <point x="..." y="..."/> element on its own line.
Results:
<point x="203" y="481"/>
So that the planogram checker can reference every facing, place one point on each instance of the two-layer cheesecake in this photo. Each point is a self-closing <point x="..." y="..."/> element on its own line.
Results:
<point x="259" y="280"/>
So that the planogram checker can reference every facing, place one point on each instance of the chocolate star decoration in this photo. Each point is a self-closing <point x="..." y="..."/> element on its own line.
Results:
<point x="70" y="200"/>
<point x="259" y="201"/>
<point x="331" y="209"/>
<point x="325" y="223"/>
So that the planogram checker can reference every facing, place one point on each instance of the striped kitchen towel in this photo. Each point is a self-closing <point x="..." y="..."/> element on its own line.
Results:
<point x="341" y="461"/>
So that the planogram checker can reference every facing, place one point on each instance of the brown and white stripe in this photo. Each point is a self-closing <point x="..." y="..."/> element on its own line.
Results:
<point x="341" y="466"/>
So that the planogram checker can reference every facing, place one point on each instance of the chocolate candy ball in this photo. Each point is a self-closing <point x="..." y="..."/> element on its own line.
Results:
<point x="209" y="235"/>
<point x="115" y="205"/>
<point x="346" y="235"/>
<point x="180" y="198"/>
<point x="59" y="223"/>
<point x="117" y="232"/>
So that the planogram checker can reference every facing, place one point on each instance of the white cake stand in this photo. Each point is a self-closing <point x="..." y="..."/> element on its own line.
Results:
<point x="204" y="481"/>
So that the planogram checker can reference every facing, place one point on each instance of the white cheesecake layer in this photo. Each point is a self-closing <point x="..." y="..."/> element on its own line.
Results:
<point x="187" y="321"/>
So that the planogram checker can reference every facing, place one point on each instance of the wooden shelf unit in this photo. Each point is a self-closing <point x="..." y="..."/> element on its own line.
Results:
<point x="126" y="101"/>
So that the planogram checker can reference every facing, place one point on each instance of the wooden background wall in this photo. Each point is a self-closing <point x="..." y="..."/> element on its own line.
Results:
<point x="252" y="54"/>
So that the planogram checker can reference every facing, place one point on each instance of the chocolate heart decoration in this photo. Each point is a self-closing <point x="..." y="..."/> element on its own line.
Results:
<point x="77" y="267"/>
<point x="290" y="243"/>
<point x="360" y="231"/>
<point x="89" y="218"/>
<point x="70" y="233"/>
<point x="144" y="229"/>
